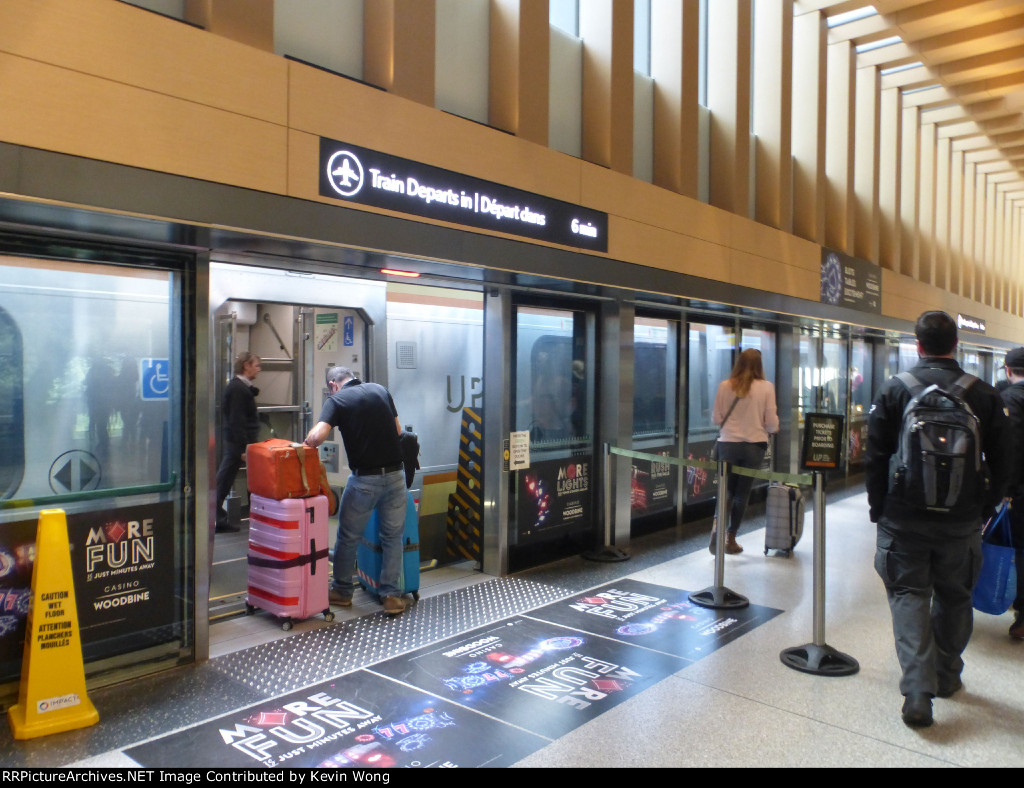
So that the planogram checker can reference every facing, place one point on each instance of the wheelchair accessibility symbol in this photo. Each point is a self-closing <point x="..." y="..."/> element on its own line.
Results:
<point x="155" y="378"/>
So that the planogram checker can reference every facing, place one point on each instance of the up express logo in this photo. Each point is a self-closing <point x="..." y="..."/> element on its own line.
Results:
<point x="345" y="173"/>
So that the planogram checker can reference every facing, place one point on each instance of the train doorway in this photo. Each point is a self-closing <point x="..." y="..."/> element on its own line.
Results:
<point x="299" y="325"/>
<point x="424" y="343"/>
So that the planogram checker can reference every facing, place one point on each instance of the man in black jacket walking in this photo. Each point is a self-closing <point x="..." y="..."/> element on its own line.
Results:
<point x="1013" y="396"/>
<point x="240" y="426"/>
<point x="929" y="559"/>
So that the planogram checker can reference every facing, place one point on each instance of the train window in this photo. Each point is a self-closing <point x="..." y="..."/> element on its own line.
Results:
<point x="553" y="399"/>
<point x="12" y="423"/>
<point x="834" y="376"/>
<point x="973" y="362"/>
<point x="861" y="388"/>
<point x="710" y="349"/>
<point x="96" y="377"/>
<point x="654" y="378"/>
<point x="762" y="340"/>
<point x="908" y="354"/>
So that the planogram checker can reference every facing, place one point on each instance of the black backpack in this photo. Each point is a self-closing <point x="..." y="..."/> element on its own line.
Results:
<point x="410" y="445"/>
<point x="937" y="466"/>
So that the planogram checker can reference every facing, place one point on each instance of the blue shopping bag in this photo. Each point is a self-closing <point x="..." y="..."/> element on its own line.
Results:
<point x="997" y="584"/>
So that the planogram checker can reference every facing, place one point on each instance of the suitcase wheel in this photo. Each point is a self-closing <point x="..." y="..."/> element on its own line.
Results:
<point x="328" y="616"/>
<point x="416" y="596"/>
<point x="286" y="625"/>
<point x="249" y="609"/>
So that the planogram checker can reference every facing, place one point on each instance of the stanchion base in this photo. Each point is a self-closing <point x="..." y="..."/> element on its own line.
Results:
<point x="819" y="660"/>
<point x="718" y="597"/>
<point x="608" y="554"/>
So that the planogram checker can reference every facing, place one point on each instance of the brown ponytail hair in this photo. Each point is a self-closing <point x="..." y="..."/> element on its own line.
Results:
<point x="745" y="371"/>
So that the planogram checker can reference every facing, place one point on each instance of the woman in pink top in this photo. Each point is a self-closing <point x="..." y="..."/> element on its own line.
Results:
<point x="746" y="411"/>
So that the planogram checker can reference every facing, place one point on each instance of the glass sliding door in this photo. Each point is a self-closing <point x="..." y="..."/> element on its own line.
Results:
<point x="91" y="423"/>
<point x="654" y="486"/>
<point x="709" y="361"/>
<point x="553" y="403"/>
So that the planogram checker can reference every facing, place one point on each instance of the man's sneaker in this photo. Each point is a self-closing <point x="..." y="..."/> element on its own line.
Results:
<point x="917" y="710"/>
<point x="1017" y="627"/>
<point x="393" y="605"/>
<point x="339" y="599"/>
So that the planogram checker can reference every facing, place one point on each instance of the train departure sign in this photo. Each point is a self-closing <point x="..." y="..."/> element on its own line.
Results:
<point x="360" y="175"/>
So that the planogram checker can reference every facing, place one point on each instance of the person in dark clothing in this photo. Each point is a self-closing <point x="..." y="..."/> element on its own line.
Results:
<point x="1013" y="397"/>
<point x="929" y="560"/>
<point x="240" y="426"/>
<point x="367" y="418"/>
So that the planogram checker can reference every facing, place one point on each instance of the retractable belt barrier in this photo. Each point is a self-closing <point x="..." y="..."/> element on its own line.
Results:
<point x="815" y="657"/>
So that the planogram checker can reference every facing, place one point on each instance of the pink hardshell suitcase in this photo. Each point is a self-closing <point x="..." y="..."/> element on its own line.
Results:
<point x="289" y="572"/>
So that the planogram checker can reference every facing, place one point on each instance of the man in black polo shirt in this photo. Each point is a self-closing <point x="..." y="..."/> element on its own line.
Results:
<point x="366" y="416"/>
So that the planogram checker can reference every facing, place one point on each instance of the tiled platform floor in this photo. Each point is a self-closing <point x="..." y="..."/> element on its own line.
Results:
<point x="740" y="706"/>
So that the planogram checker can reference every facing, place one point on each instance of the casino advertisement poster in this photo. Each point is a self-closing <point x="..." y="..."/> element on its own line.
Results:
<point x="122" y="565"/>
<point x="554" y="495"/>
<point x="359" y="720"/>
<point x="656" y="617"/>
<point x="17" y="556"/>
<point x="653" y="486"/>
<point x="534" y="674"/>
<point x="701" y="484"/>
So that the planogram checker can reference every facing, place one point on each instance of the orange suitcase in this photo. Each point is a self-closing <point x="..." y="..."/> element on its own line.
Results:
<point x="281" y="469"/>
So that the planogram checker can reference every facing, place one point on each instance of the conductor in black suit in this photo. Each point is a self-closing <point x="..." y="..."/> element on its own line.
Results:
<point x="239" y="427"/>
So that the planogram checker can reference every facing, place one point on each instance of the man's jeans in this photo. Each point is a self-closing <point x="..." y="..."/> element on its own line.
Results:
<point x="362" y="495"/>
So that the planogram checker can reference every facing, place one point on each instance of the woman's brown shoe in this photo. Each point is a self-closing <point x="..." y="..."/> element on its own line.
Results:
<point x="731" y="546"/>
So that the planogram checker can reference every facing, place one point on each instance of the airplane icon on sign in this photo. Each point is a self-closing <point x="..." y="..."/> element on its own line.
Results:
<point x="346" y="173"/>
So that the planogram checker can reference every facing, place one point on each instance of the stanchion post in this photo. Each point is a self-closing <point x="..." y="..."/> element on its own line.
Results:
<point x="718" y="596"/>
<point x="607" y="552"/>
<point x="721" y="522"/>
<point x="819" y="559"/>
<point x="817" y="657"/>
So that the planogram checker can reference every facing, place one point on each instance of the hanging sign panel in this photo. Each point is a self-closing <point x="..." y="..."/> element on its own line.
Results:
<point x="850" y="282"/>
<point x="368" y="177"/>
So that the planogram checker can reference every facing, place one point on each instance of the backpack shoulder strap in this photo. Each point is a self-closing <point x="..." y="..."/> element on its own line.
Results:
<point x="912" y="383"/>
<point x="963" y="383"/>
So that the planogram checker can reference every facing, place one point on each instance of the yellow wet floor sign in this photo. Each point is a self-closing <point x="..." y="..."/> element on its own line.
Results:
<point x="51" y="695"/>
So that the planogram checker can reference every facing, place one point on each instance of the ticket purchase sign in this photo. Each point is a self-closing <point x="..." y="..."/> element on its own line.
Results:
<point x="823" y="442"/>
<point x="368" y="177"/>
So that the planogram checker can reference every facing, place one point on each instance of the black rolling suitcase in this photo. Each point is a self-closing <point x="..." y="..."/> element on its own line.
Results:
<point x="785" y="518"/>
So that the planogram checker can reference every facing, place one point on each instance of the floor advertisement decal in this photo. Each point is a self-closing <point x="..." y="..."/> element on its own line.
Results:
<point x="655" y="617"/>
<point x="359" y="720"/>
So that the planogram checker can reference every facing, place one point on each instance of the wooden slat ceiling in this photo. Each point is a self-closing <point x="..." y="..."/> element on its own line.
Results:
<point x="960" y="61"/>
